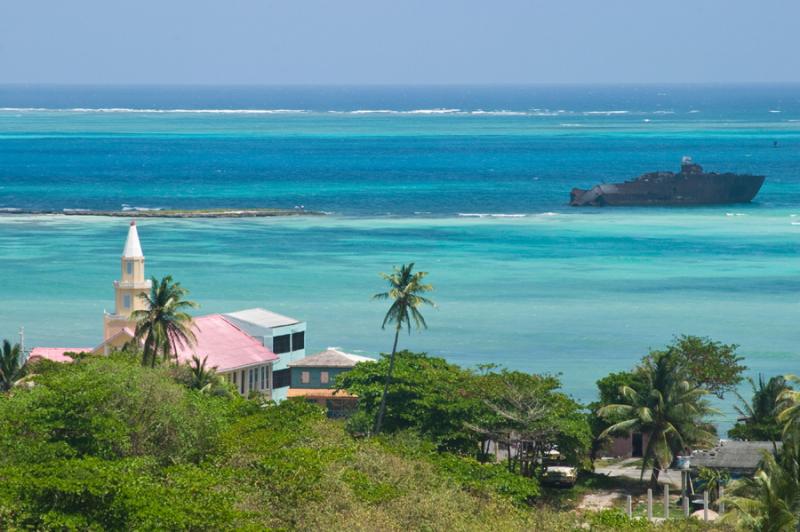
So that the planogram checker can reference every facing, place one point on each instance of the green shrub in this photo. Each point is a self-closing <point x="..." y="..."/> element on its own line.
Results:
<point x="110" y="408"/>
<point x="614" y="519"/>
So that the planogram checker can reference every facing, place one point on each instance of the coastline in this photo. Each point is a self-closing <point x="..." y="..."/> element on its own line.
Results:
<point x="168" y="213"/>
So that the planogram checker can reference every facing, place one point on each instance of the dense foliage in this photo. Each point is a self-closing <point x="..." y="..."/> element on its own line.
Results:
<point x="105" y="443"/>
<point x="704" y="363"/>
<point x="770" y="501"/>
<point x="669" y="409"/>
<point x="426" y="394"/>
<point x="460" y="410"/>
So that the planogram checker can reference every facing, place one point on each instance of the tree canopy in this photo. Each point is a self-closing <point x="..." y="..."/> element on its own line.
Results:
<point x="705" y="363"/>
<point x="669" y="409"/>
<point x="459" y="409"/>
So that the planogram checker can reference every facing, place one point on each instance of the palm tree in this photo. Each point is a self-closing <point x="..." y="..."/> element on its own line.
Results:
<point x="770" y="501"/>
<point x="758" y="416"/>
<point x="165" y="324"/>
<point x="713" y="478"/>
<point x="405" y="289"/>
<point x="789" y="405"/>
<point x="10" y="365"/>
<point x="202" y="378"/>
<point x="669" y="410"/>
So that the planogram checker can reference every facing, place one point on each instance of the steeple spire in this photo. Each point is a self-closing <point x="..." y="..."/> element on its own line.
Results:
<point x="130" y="287"/>
<point x="133" y="249"/>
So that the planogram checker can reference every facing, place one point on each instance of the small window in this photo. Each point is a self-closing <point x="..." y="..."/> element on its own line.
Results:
<point x="305" y="377"/>
<point x="126" y="301"/>
<point x="233" y="377"/>
<point x="280" y="344"/>
<point x="298" y="340"/>
<point x="129" y="267"/>
<point x="281" y="378"/>
<point x="263" y="377"/>
<point x="241" y="384"/>
<point x="323" y="377"/>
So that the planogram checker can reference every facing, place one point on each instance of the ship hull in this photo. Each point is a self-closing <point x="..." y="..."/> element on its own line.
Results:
<point x="702" y="189"/>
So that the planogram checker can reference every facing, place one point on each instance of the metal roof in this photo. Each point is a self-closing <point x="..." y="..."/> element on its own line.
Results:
<point x="330" y="358"/>
<point x="733" y="454"/>
<point x="260" y="318"/>
<point x="226" y="346"/>
<point x="56" y="354"/>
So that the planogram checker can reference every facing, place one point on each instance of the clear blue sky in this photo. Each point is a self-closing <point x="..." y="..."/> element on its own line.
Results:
<point x="398" y="41"/>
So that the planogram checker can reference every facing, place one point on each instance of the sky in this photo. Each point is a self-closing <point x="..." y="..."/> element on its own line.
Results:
<point x="265" y="42"/>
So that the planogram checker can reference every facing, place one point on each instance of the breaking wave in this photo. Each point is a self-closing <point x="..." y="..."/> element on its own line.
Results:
<point x="432" y="111"/>
<point x="152" y="111"/>
<point x="490" y="215"/>
<point x="606" y="113"/>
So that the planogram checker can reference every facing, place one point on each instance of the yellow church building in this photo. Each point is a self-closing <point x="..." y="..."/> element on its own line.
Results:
<point x="240" y="346"/>
<point x="119" y="328"/>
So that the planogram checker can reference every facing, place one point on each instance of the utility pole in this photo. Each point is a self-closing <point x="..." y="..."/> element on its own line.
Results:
<point x="22" y="340"/>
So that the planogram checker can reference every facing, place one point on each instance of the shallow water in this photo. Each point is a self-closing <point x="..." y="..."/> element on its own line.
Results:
<point x="573" y="294"/>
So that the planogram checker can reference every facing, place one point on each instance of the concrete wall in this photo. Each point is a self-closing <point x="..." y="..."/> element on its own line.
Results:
<point x="294" y="354"/>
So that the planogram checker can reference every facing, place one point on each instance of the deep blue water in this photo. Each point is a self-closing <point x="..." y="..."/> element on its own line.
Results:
<point x="439" y="150"/>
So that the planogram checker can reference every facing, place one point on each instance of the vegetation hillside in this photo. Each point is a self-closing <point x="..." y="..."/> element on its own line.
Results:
<point x="106" y="444"/>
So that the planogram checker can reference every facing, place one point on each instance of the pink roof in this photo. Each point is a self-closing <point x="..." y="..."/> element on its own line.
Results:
<point x="226" y="346"/>
<point x="56" y="354"/>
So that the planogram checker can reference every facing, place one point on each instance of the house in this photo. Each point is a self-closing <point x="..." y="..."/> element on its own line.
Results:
<point x="240" y="346"/>
<point x="739" y="458"/>
<point x="284" y="336"/>
<point x="629" y="446"/>
<point x="314" y="377"/>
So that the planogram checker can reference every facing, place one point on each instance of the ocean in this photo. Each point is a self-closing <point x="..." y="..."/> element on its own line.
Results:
<point x="470" y="183"/>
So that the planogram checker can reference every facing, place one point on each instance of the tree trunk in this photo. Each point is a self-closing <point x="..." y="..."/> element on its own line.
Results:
<point x="146" y="350"/>
<point x="382" y="409"/>
<point x="654" y="477"/>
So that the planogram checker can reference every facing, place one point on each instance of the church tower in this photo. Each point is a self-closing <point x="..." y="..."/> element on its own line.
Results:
<point x="127" y="292"/>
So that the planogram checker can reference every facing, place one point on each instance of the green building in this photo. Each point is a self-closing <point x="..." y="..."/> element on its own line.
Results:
<point x="314" y="378"/>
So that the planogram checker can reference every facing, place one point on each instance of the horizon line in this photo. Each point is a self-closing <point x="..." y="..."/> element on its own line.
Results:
<point x="403" y="84"/>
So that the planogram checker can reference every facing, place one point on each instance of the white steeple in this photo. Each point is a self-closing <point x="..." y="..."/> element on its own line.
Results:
<point x="133" y="249"/>
<point x="128" y="290"/>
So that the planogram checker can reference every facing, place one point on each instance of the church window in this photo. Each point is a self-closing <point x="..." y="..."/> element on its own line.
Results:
<point x="129" y="267"/>
<point x="126" y="301"/>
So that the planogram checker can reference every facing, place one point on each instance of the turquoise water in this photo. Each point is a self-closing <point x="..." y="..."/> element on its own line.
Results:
<point x="547" y="289"/>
